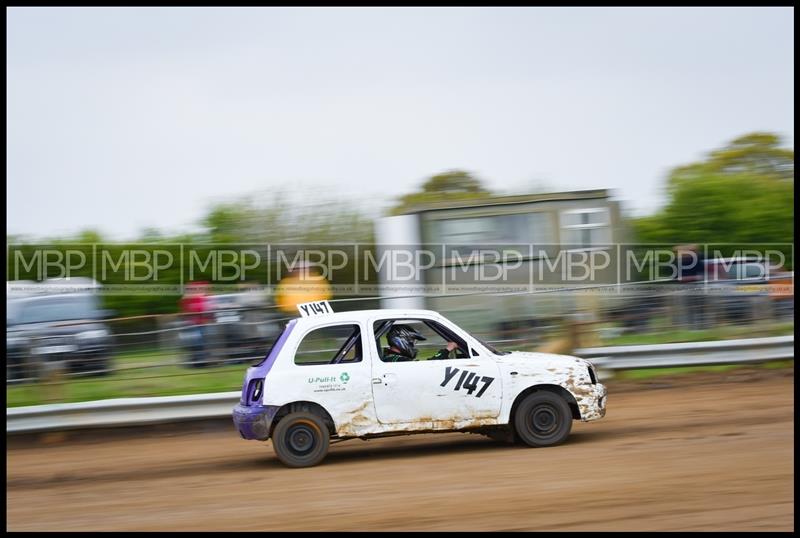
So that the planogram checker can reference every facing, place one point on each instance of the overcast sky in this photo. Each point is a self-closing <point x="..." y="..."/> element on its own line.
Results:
<point x="120" y="119"/>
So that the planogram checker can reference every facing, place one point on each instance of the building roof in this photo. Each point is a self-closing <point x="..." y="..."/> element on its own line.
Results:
<point x="508" y="200"/>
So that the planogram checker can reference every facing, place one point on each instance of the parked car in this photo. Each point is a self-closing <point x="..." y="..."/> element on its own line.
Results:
<point x="69" y="327"/>
<point x="238" y="327"/>
<point x="738" y="286"/>
<point x="335" y="376"/>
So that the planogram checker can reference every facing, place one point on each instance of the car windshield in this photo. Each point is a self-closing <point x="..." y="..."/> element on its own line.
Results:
<point x="56" y="309"/>
<point x="742" y="270"/>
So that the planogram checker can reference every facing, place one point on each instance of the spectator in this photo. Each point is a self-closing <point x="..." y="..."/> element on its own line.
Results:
<point x="691" y="272"/>
<point x="196" y="305"/>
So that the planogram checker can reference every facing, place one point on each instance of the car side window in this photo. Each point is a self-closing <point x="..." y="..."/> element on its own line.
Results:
<point x="337" y="344"/>
<point x="433" y="347"/>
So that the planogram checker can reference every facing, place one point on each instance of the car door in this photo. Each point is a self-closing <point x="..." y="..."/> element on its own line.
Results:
<point x="423" y="391"/>
<point x="324" y="363"/>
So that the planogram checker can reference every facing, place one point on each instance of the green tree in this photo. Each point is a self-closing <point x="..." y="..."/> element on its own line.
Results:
<point x="755" y="155"/>
<point x="151" y="234"/>
<point x="90" y="235"/>
<point x="282" y="221"/>
<point x="447" y="186"/>
<point x="228" y="222"/>
<point x="742" y="193"/>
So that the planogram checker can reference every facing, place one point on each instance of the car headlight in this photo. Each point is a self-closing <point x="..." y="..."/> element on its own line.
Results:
<point x="592" y="373"/>
<point x="92" y="335"/>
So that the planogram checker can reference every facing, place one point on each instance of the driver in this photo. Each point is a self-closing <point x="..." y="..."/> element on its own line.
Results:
<point x="402" y="345"/>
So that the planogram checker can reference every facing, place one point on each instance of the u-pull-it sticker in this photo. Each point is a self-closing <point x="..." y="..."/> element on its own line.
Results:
<point x="316" y="308"/>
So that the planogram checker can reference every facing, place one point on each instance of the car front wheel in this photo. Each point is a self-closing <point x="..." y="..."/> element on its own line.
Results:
<point x="543" y="419"/>
<point x="301" y="439"/>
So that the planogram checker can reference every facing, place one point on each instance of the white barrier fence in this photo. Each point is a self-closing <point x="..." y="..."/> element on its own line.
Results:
<point x="750" y="350"/>
<point x="142" y="411"/>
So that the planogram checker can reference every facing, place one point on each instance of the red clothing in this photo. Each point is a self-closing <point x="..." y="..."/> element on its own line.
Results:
<point x="196" y="304"/>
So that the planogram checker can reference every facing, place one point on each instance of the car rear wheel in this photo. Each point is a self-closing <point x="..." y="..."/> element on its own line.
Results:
<point x="543" y="419"/>
<point x="301" y="439"/>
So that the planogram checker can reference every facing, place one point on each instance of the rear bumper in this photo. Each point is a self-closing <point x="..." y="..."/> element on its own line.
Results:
<point x="254" y="422"/>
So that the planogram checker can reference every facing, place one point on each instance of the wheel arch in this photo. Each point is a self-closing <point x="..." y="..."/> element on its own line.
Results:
<point x="306" y="406"/>
<point x="556" y="389"/>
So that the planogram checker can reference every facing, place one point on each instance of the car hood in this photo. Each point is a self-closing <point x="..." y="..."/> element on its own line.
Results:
<point x="53" y="328"/>
<point x="546" y="360"/>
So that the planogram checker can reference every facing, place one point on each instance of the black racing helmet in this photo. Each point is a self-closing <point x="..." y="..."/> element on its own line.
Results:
<point x="402" y="338"/>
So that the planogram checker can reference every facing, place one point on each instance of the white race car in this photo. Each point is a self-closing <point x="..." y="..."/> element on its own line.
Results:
<point x="347" y="375"/>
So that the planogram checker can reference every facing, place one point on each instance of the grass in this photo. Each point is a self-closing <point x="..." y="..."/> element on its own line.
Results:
<point x="718" y="333"/>
<point x="168" y="380"/>
<point x="648" y="373"/>
<point x="160" y="374"/>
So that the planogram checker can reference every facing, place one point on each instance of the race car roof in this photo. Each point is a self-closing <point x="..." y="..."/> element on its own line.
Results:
<point x="360" y="315"/>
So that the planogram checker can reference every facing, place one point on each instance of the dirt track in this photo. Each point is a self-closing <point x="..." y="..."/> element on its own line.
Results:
<point x="713" y="453"/>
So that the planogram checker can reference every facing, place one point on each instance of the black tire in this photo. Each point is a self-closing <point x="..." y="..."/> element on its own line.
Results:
<point x="543" y="419"/>
<point x="301" y="439"/>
